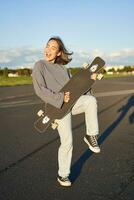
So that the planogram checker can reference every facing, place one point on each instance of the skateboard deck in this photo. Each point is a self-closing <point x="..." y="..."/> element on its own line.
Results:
<point x="78" y="85"/>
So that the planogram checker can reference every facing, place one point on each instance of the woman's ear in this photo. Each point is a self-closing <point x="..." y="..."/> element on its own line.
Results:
<point x="59" y="53"/>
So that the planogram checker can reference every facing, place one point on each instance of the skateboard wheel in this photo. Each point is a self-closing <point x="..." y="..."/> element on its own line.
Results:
<point x="85" y="65"/>
<point x="100" y="76"/>
<point x="54" y="125"/>
<point x="40" y="113"/>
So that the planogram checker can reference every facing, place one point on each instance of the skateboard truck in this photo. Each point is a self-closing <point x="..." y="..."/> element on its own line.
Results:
<point x="45" y="119"/>
<point x="40" y="113"/>
<point x="93" y="68"/>
<point x="54" y="125"/>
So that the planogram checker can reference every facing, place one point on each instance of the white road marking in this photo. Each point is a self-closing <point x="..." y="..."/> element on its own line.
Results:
<point x="19" y="103"/>
<point x="114" y="93"/>
<point x="34" y="102"/>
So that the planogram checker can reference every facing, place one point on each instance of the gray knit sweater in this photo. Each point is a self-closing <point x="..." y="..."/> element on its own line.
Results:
<point x="48" y="79"/>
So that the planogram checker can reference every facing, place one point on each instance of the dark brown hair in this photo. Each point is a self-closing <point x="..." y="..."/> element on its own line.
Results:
<point x="64" y="58"/>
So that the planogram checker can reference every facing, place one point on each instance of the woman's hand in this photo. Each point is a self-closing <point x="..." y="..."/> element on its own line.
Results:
<point x="66" y="97"/>
<point x="94" y="76"/>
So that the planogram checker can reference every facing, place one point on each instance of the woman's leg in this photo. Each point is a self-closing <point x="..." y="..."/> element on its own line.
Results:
<point x="88" y="105"/>
<point x="66" y="147"/>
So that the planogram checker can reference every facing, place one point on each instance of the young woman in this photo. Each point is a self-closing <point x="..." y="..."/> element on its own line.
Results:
<point x="49" y="76"/>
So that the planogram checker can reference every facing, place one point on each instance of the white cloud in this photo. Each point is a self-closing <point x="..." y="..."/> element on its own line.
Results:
<point x="97" y="52"/>
<point x="22" y="56"/>
<point x="115" y="55"/>
<point x="122" y="53"/>
<point x="122" y="57"/>
<point x="27" y="56"/>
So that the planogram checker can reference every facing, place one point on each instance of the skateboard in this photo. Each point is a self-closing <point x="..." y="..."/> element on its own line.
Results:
<point x="78" y="85"/>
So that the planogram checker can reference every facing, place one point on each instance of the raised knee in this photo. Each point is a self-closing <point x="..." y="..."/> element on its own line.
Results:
<point x="92" y="100"/>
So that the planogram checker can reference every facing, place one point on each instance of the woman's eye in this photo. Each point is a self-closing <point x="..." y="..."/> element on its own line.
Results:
<point x="54" y="48"/>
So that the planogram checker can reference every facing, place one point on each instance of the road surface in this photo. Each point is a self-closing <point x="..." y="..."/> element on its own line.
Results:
<point x="28" y="160"/>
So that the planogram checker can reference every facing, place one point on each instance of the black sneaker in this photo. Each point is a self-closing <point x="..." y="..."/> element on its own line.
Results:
<point x="91" y="141"/>
<point x="64" y="181"/>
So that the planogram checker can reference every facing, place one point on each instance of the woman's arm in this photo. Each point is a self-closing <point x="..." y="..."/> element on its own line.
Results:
<point x="48" y="96"/>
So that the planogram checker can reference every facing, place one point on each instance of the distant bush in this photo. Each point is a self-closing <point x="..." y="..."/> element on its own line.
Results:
<point x="21" y="72"/>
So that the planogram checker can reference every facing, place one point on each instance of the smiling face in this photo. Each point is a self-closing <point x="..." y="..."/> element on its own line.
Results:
<point x="51" y="51"/>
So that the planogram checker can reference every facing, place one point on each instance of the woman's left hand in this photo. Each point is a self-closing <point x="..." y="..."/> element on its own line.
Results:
<point x="94" y="76"/>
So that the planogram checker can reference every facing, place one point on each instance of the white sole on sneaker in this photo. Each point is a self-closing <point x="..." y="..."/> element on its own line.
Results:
<point x="66" y="184"/>
<point x="95" y="150"/>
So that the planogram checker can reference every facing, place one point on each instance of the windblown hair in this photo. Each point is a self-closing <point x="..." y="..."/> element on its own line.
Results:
<point x="64" y="58"/>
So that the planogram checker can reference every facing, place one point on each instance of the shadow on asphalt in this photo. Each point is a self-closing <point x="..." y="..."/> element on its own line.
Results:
<point x="77" y="166"/>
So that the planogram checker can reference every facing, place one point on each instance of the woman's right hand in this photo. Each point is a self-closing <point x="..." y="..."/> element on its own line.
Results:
<point x="66" y="97"/>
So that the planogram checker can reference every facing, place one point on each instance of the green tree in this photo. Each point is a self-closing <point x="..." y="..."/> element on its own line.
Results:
<point x="1" y="72"/>
<point x="5" y="72"/>
<point x="111" y="70"/>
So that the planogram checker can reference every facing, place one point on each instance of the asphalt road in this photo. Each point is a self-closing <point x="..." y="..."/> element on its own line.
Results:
<point x="28" y="160"/>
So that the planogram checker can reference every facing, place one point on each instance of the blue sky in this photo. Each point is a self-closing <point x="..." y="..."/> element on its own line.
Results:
<point x="87" y="27"/>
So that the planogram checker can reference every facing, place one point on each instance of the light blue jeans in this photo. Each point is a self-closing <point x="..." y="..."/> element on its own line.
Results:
<point x="85" y="104"/>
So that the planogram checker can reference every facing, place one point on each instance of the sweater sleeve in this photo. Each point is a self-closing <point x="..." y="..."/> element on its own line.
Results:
<point x="41" y="90"/>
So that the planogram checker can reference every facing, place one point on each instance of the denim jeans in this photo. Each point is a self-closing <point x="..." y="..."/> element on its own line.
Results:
<point x="85" y="104"/>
